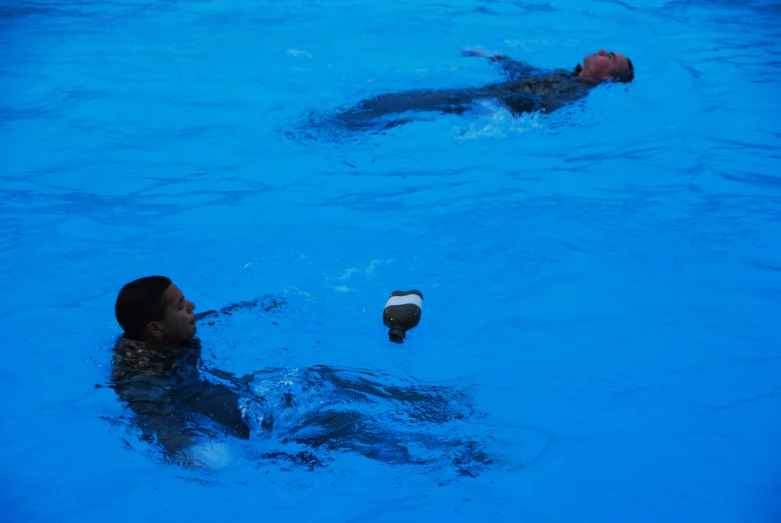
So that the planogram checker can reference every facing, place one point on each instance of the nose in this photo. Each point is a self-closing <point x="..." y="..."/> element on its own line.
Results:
<point x="192" y="306"/>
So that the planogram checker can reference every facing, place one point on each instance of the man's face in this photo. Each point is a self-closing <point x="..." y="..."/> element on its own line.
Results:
<point x="604" y="65"/>
<point x="178" y="327"/>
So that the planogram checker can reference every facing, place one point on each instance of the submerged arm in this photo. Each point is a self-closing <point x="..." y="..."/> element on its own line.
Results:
<point x="513" y="69"/>
<point x="216" y="402"/>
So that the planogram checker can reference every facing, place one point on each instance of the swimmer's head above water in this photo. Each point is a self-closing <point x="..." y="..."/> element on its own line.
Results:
<point x="154" y="311"/>
<point x="605" y="66"/>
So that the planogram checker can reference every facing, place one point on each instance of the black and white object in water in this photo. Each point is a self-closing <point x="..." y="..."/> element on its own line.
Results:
<point x="402" y="313"/>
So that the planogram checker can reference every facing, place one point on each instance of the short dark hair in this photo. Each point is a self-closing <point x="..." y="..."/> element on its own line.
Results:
<point x="630" y="73"/>
<point x="139" y="302"/>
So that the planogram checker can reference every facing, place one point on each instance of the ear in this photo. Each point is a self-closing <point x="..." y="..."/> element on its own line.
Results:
<point x="155" y="329"/>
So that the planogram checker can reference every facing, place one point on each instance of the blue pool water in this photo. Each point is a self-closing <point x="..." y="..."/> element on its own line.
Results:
<point x="601" y="283"/>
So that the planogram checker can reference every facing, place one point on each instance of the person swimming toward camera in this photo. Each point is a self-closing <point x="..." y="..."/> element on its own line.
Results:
<point x="526" y="89"/>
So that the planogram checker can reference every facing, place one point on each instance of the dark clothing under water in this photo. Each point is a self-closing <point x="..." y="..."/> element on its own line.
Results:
<point x="526" y="89"/>
<point x="178" y="401"/>
<point x="174" y="405"/>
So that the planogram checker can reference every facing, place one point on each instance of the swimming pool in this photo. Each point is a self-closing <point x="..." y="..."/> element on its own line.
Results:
<point x="604" y="280"/>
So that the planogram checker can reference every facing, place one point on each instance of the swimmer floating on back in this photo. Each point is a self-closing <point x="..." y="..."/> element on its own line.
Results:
<point x="526" y="89"/>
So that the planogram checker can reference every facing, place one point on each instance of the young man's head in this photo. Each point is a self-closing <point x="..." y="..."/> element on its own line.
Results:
<point x="605" y="65"/>
<point x="153" y="310"/>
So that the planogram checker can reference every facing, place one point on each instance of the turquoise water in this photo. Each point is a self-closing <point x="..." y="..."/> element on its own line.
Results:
<point x="603" y="281"/>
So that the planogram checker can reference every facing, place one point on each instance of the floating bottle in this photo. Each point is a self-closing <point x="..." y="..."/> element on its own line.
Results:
<point x="402" y="313"/>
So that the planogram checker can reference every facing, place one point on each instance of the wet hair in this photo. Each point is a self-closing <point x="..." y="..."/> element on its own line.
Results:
<point x="139" y="302"/>
<point x="629" y="75"/>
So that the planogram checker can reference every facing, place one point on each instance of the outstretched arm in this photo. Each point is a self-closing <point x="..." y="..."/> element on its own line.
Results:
<point x="267" y="303"/>
<point x="513" y="69"/>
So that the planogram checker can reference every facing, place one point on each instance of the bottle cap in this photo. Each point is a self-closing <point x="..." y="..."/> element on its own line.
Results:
<point x="397" y="334"/>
